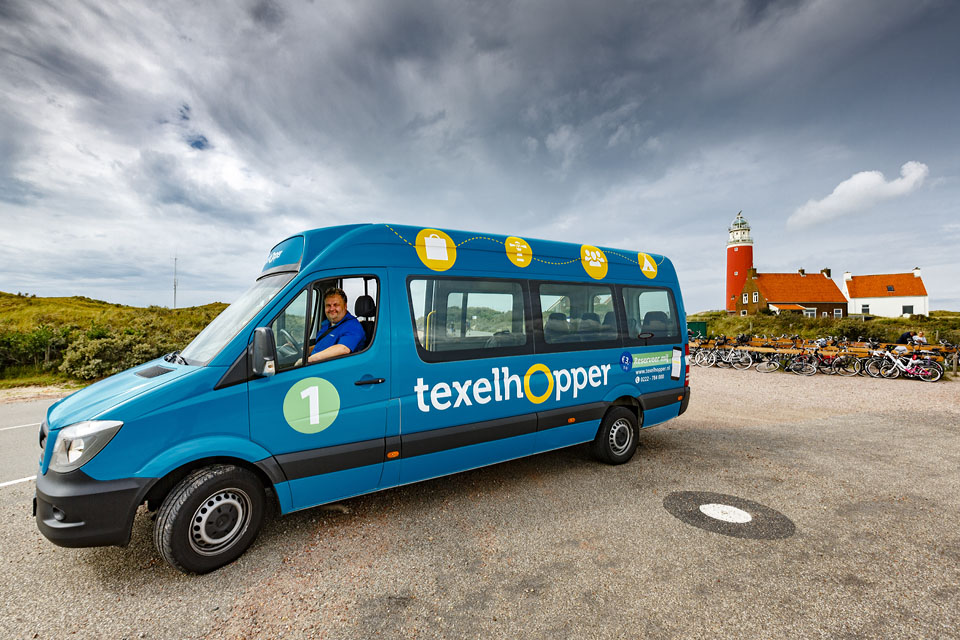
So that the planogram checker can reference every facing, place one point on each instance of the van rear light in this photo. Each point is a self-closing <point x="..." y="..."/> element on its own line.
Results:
<point x="686" y="360"/>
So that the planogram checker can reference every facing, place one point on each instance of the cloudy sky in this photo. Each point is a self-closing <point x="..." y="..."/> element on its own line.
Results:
<point x="134" y="132"/>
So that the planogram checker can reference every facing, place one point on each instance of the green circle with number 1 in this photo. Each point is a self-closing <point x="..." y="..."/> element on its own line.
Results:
<point x="311" y="405"/>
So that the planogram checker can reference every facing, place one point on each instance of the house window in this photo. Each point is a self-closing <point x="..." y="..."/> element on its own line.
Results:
<point x="744" y="298"/>
<point x="838" y="313"/>
<point x="865" y="308"/>
<point x="756" y="296"/>
<point x="825" y="314"/>
<point x="908" y="309"/>
<point x="809" y="313"/>
<point x="889" y="287"/>
<point x="743" y="312"/>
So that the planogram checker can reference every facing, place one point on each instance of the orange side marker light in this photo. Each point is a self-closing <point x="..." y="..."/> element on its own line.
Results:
<point x="393" y="454"/>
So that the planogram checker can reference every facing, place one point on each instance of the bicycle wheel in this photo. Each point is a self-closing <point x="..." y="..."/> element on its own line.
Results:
<point x="826" y="366"/>
<point x="872" y="367"/>
<point x="741" y="360"/>
<point x="846" y="365"/>
<point x="802" y="368"/>
<point x="889" y="370"/>
<point x="768" y="366"/>
<point x="929" y="374"/>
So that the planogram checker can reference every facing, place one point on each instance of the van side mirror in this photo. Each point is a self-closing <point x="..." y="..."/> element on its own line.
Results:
<point x="263" y="354"/>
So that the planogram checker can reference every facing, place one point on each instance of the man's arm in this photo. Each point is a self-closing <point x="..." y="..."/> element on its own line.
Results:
<point x="330" y="352"/>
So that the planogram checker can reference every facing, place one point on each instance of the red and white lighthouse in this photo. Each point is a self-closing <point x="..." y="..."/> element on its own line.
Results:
<point x="739" y="259"/>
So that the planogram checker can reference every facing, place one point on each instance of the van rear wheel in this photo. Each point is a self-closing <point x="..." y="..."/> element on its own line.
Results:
<point x="616" y="439"/>
<point x="210" y="518"/>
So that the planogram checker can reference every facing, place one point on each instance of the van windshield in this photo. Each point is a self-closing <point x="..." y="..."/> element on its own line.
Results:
<point x="233" y="319"/>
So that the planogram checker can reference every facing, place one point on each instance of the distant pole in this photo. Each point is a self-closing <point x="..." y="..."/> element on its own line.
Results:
<point x="175" y="282"/>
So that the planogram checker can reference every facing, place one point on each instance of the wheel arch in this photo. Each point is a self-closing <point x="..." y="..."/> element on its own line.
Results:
<point x="162" y="487"/>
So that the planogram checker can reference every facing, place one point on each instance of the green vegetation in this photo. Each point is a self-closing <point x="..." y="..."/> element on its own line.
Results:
<point x="58" y="340"/>
<point x="946" y="324"/>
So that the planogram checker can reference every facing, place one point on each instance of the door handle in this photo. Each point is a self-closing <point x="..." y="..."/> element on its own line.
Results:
<point x="370" y="381"/>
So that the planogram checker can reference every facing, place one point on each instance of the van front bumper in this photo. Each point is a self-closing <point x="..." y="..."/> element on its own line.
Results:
<point x="74" y="510"/>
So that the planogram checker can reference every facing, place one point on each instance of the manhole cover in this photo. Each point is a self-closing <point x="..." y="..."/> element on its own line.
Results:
<point x="728" y="515"/>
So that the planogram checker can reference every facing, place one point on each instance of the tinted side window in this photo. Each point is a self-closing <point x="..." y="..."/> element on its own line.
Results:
<point x="577" y="313"/>
<point x="651" y="310"/>
<point x="468" y="318"/>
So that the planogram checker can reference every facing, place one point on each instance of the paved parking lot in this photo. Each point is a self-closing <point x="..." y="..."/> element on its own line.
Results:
<point x="557" y="546"/>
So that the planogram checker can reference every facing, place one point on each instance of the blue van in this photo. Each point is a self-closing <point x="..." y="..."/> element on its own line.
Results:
<point x="462" y="350"/>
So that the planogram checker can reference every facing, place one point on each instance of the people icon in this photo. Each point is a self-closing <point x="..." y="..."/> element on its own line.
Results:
<point x="594" y="258"/>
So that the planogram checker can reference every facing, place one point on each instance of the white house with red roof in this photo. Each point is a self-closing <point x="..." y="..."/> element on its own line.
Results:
<point x="889" y="295"/>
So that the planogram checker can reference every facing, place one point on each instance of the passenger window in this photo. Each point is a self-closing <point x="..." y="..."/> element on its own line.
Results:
<point x="474" y="318"/>
<point x="577" y="313"/>
<point x="289" y="330"/>
<point x="653" y="311"/>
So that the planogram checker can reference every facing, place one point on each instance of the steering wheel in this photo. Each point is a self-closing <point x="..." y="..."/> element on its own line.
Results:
<point x="291" y="346"/>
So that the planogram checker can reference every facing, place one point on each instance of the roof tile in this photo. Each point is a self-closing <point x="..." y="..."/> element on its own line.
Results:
<point x="904" y="284"/>
<point x="792" y="287"/>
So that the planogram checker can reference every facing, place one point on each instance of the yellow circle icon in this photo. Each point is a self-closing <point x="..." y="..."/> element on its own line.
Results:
<point x="594" y="261"/>
<point x="544" y="369"/>
<point x="436" y="249"/>
<point x="519" y="251"/>
<point x="647" y="265"/>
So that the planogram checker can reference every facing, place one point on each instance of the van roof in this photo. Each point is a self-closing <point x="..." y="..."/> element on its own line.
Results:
<point x="450" y="252"/>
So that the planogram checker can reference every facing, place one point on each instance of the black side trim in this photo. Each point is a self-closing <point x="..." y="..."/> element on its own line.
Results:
<point x="272" y="469"/>
<point x="393" y="443"/>
<point x="685" y="401"/>
<point x="303" y="464"/>
<point x="237" y="372"/>
<point x="93" y="513"/>
<point x="153" y="372"/>
<point x="659" y="399"/>
<point x="436" y="440"/>
<point x="561" y="417"/>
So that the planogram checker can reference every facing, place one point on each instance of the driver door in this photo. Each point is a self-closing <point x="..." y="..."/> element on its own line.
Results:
<point x="324" y="422"/>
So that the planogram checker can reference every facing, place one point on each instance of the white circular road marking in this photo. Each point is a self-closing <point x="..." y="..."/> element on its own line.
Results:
<point x="725" y="513"/>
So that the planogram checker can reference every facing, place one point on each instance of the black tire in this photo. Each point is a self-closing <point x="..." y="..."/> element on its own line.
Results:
<point x="616" y="439"/>
<point x="846" y="365"/>
<point x="210" y="518"/>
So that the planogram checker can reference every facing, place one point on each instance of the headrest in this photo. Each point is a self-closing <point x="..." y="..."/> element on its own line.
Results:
<point x="591" y="316"/>
<point x="557" y="316"/>
<point x="609" y="319"/>
<point x="365" y="307"/>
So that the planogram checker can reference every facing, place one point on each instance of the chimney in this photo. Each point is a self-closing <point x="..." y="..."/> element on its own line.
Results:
<point x="825" y="272"/>
<point x="916" y="272"/>
<point x="847" y="276"/>
<point x="752" y="273"/>
<point x="802" y="273"/>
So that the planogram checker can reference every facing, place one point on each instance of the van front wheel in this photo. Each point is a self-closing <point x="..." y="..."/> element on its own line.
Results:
<point x="616" y="439"/>
<point x="210" y="518"/>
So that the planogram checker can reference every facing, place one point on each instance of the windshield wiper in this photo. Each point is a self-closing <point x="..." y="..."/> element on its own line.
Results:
<point x="176" y="358"/>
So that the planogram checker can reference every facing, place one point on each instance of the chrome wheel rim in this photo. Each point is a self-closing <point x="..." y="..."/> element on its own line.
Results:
<point x="620" y="437"/>
<point x="219" y="522"/>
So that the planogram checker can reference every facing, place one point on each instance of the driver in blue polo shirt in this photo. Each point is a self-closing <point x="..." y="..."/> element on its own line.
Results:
<point x="341" y="333"/>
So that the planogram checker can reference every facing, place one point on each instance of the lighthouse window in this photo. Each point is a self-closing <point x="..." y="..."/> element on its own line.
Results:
<point x="736" y="273"/>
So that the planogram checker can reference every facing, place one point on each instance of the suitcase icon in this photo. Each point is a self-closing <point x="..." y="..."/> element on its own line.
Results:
<point x="436" y="247"/>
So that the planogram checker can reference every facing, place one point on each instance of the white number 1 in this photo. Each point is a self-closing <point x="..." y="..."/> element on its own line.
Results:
<point x="313" y="393"/>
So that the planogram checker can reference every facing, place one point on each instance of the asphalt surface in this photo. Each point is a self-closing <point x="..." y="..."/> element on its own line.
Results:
<point x="856" y="479"/>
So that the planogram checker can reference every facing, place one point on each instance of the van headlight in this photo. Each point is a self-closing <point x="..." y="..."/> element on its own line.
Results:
<point x="79" y="442"/>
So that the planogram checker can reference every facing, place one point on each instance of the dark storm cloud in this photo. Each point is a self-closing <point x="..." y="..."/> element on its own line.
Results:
<point x="164" y="181"/>
<point x="268" y="13"/>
